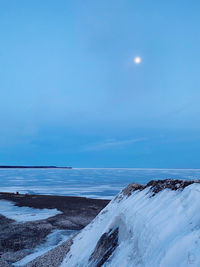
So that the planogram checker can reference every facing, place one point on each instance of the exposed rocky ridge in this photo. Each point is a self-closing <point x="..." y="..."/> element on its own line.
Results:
<point x="131" y="188"/>
<point x="158" y="185"/>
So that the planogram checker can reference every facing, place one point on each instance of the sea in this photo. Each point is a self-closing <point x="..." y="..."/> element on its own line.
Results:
<point x="103" y="183"/>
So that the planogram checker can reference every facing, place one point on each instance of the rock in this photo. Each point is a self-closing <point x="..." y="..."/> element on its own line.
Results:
<point x="159" y="185"/>
<point x="104" y="248"/>
<point x="132" y="187"/>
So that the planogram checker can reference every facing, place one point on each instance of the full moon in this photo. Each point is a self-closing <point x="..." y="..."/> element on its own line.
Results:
<point x="137" y="60"/>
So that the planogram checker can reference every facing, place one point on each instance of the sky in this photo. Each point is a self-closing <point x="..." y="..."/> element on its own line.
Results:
<point x="72" y="95"/>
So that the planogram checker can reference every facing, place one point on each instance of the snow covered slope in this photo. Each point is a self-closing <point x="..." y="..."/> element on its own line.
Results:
<point x="153" y="225"/>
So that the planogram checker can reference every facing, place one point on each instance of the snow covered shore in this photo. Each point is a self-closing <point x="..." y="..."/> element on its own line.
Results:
<point x="153" y="225"/>
<point x="25" y="214"/>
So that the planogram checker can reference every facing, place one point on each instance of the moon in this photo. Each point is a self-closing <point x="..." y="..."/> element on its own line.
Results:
<point x="137" y="60"/>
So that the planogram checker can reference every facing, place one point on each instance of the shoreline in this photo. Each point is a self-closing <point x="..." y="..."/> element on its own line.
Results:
<point x="62" y="203"/>
<point x="18" y="239"/>
<point x="34" y="167"/>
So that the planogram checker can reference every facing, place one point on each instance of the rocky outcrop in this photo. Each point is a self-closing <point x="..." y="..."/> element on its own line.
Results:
<point x="104" y="248"/>
<point x="145" y="225"/>
<point x="158" y="185"/>
<point x="131" y="188"/>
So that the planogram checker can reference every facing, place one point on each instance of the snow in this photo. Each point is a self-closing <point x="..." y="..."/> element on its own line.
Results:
<point x="25" y="214"/>
<point x="161" y="230"/>
<point x="54" y="239"/>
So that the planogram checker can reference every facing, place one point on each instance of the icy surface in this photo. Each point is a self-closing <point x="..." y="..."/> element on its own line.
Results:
<point x="93" y="183"/>
<point x="25" y="214"/>
<point x="161" y="230"/>
<point x="53" y="239"/>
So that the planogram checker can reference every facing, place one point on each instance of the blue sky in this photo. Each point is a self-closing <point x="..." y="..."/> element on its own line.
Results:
<point x="72" y="95"/>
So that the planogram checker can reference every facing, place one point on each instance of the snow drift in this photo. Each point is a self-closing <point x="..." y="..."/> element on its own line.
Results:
<point x="153" y="225"/>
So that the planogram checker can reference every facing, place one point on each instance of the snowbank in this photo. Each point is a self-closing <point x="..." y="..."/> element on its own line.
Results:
<point x="153" y="225"/>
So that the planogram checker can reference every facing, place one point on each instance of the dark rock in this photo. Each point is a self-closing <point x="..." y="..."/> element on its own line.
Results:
<point x="131" y="188"/>
<point x="159" y="185"/>
<point x="104" y="248"/>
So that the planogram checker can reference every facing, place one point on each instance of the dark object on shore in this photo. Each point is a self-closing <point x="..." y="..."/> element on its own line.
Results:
<point x="33" y="167"/>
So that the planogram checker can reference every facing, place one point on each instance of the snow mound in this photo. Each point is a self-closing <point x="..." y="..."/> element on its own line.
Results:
<point x="153" y="225"/>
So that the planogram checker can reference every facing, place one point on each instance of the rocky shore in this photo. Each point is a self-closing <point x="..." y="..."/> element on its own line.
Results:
<point x="19" y="239"/>
<point x="52" y="258"/>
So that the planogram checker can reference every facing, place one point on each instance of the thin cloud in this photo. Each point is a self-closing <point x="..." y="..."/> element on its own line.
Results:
<point x="106" y="144"/>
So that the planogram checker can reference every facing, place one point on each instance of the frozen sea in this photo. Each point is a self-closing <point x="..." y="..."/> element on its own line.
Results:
<point x="92" y="183"/>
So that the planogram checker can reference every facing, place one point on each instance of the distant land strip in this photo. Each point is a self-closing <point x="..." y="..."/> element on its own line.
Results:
<point x="32" y="167"/>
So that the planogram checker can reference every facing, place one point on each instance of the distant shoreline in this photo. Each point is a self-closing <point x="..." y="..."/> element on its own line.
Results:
<point x="33" y="167"/>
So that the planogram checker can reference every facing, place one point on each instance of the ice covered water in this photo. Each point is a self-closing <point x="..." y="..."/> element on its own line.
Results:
<point x="93" y="183"/>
